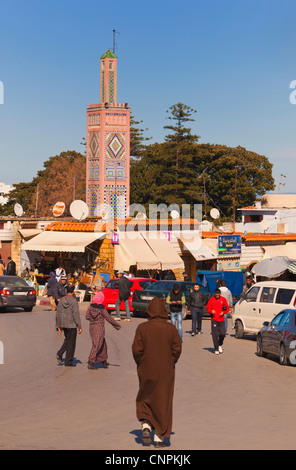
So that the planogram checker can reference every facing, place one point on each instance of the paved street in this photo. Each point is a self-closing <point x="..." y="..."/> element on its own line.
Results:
<point x="233" y="401"/>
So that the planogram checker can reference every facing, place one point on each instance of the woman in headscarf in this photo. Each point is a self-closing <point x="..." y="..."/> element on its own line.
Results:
<point x="97" y="314"/>
<point x="156" y="349"/>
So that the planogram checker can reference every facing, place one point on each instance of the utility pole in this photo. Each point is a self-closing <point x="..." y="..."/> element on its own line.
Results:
<point x="234" y="197"/>
<point x="36" y="206"/>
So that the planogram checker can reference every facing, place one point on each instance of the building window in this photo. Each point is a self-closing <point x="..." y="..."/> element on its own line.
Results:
<point x="253" y="218"/>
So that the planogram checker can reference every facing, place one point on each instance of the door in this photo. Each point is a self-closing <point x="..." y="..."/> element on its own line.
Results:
<point x="247" y="308"/>
<point x="272" y="334"/>
<point x="267" y="309"/>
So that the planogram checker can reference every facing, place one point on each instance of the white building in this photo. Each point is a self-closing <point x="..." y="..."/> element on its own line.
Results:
<point x="4" y="189"/>
<point x="275" y="213"/>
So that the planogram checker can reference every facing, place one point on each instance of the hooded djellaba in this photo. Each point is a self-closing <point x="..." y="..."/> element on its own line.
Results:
<point x="156" y="348"/>
<point x="96" y="315"/>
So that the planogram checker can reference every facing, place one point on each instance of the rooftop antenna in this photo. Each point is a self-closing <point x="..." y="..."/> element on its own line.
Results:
<point x="114" y="43"/>
<point x="280" y="183"/>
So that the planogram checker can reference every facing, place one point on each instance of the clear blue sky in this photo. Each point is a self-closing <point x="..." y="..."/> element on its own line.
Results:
<point x="231" y="60"/>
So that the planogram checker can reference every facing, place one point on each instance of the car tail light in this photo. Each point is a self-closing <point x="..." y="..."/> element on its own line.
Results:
<point x="32" y="292"/>
<point x="5" y="292"/>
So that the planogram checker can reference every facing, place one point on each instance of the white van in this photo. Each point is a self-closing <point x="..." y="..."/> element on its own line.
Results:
<point x="262" y="302"/>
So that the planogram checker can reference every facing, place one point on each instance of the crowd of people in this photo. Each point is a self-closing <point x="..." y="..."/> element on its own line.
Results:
<point x="156" y="347"/>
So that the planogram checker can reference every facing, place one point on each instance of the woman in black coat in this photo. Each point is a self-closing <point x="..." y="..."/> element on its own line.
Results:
<point x="51" y="289"/>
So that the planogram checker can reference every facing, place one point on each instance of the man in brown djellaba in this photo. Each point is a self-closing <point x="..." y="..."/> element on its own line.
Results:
<point x="156" y="348"/>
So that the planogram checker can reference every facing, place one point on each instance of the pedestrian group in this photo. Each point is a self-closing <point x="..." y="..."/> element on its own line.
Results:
<point x="157" y="343"/>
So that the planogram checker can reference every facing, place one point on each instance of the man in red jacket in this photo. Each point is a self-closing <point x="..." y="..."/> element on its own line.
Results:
<point x="217" y="307"/>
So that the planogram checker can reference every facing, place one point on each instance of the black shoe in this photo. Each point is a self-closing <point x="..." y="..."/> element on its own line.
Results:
<point x="91" y="366"/>
<point x="159" y="444"/>
<point x="70" y="365"/>
<point x="59" y="359"/>
<point x="146" y="439"/>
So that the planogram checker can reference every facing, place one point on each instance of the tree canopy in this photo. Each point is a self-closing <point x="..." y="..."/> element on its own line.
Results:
<point x="182" y="171"/>
<point x="179" y="170"/>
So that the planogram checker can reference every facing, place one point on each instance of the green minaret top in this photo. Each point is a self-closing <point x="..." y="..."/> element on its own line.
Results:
<point x="108" y="55"/>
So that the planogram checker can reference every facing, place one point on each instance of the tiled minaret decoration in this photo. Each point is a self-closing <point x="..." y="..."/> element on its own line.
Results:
<point x="108" y="147"/>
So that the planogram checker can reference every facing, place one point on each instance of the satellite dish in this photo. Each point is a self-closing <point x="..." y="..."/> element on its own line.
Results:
<point x="79" y="209"/>
<point x="175" y="214"/>
<point x="18" y="210"/>
<point x="58" y="208"/>
<point x="214" y="213"/>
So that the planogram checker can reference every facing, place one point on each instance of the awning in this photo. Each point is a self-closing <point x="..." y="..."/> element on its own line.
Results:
<point x="62" y="241"/>
<point x="272" y="267"/>
<point x="289" y="250"/>
<point x="201" y="249"/>
<point x="28" y="233"/>
<point x="165" y="253"/>
<point x="134" y="253"/>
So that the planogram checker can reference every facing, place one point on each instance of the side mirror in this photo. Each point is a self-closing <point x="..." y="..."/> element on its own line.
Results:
<point x="266" y="323"/>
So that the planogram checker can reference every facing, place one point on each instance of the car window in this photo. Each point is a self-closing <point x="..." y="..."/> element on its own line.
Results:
<point x="251" y="295"/>
<point x="112" y="284"/>
<point x="285" y="319"/>
<point x="10" y="282"/>
<point x="267" y="294"/>
<point x="276" y="321"/>
<point x="160" y="287"/>
<point x="284" y="296"/>
<point x="145" y="284"/>
<point x="187" y="288"/>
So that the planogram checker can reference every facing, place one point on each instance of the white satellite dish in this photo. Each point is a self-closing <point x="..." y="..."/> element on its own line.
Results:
<point x="175" y="214"/>
<point x="79" y="209"/>
<point x="18" y="210"/>
<point x="214" y="213"/>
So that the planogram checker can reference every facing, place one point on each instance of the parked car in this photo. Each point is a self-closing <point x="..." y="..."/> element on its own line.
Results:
<point x="261" y="303"/>
<point x="15" y="292"/>
<point x="161" y="289"/>
<point x="111" y="291"/>
<point x="279" y="337"/>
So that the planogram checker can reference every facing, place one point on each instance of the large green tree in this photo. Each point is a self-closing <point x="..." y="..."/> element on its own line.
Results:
<point x="181" y="171"/>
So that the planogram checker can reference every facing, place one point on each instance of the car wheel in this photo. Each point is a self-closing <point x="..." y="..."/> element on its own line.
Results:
<point x="284" y="361"/>
<point x="239" y="329"/>
<point x="260" y="351"/>
<point x="28" y="309"/>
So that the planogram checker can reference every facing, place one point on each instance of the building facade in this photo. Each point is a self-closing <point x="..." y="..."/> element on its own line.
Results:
<point x="108" y="147"/>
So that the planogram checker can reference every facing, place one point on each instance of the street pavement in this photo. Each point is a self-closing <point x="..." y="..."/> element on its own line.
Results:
<point x="232" y="401"/>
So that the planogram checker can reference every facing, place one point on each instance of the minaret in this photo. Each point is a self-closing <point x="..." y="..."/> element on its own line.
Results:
<point x="108" y="147"/>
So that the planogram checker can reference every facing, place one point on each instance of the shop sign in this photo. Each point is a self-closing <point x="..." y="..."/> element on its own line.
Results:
<point x="229" y="245"/>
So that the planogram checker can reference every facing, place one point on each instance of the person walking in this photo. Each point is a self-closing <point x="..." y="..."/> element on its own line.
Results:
<point x="196" y="302"/>
<point x="96" y="314"/>
<point x="2" y="267"/>
<point x="176" y="300"/>
<point x="156" y="349"/>
<point x="60" y="289"/>
<point x="11" y="267"/>
<point x="68" y="320"/>
<point x="51" y="290"/>
<point x="225" y="292"/>
<point x="124" y="287"/>
<point x="217" y="306"/>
